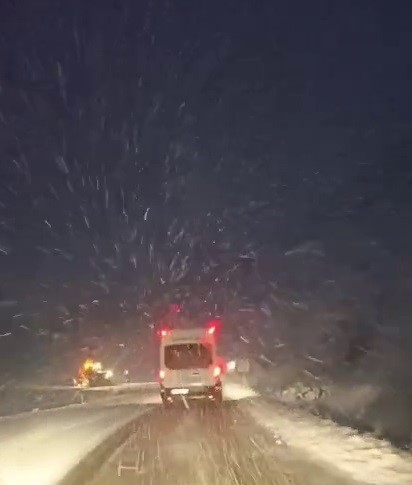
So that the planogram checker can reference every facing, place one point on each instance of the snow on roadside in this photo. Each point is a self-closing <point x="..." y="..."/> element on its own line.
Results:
<point x="364" y="458"/>
<point x="41" y="450"/>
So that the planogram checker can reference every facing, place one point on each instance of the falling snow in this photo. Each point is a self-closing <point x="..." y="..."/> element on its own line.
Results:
<point x="233" y="161"/>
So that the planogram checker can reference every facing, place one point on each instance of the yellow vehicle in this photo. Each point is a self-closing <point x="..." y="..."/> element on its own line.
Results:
<point x="92" y="374"/>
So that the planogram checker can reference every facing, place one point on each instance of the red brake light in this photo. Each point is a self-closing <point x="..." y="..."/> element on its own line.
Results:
<point x="161" y="374"/>
<point x="213" y="327"/>
<point x="163" y="332"/>
<point x="217" y="371"/>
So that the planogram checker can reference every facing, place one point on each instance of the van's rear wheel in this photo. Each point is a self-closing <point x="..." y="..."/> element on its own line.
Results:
<point x="218" y="397"/>
<point x="166" y="404"/>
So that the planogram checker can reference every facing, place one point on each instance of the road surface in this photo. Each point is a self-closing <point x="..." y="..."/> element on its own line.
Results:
<point x="40" y="448"/>
<point x="206" y="446"/>
<point x="130" y="439"/>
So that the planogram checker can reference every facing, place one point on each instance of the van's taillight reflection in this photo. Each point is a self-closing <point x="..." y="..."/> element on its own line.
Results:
<point x="217" y="371"/>
<point x="161" y="374"/>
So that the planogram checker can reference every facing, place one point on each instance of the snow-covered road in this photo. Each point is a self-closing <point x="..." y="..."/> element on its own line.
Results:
<point x="40" y="448"/>
<point x="206" y="446"/>
<point x="251" y="440"/>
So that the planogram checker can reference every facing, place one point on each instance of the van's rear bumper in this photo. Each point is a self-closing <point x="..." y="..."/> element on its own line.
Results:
<point x="191" y="392"/>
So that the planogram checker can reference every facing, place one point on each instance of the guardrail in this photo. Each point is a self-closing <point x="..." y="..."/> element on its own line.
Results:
<point x="35" y="398"/>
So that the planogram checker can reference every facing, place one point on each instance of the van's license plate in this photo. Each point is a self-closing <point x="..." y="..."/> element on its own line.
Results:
<point x="179" y="391"/>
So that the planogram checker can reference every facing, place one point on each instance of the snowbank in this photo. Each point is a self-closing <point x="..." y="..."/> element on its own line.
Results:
<point x="363" y="457"/>
<point x="365" y="398"/>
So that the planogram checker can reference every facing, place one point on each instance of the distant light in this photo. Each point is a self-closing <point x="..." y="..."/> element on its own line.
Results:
<point x="211" y="330"/>
<point x="231" y="365"/>
<point x="89" y="364"/>
<point x="217" y="371"/>
<point x="162" y="374"/>
<point x="108" y="374"/>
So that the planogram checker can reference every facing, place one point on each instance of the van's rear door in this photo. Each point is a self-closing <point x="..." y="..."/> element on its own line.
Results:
<point x="188" y="364"/>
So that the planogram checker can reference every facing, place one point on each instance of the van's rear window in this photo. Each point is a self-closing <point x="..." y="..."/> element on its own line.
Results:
<point x="188" y="356"/>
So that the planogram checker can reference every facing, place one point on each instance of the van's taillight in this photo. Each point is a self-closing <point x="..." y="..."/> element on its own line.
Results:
<point x="163" y="332"/>
<point x="213" y="326"/>
<point x="217" y="371"/>
<point x="161" y="374"/>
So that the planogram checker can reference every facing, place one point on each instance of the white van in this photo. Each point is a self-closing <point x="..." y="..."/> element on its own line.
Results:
<point x="189" y="365"/>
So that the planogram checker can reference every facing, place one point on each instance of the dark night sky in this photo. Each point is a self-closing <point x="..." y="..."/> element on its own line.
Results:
<point x="145" y="143"/>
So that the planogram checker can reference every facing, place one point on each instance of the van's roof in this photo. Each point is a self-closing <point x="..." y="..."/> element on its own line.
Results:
<point x="187" y="335"/>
